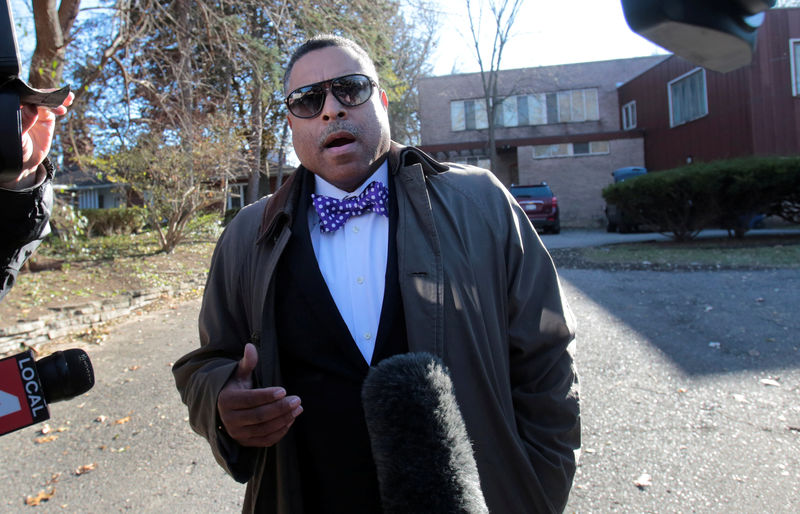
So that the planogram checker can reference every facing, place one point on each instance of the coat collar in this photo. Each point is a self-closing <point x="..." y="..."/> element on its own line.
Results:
<point x="279" y="210"/>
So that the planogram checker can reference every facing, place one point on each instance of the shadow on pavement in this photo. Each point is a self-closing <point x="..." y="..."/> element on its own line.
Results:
<point x="705" y="322"/>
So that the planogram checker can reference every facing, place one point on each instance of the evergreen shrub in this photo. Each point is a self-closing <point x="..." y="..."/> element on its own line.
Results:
<point x="725" y="194"/>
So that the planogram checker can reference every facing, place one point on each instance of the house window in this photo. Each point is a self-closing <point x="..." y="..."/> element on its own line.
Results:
<point x="468" y="115"/>
<point x="577" y="105"/>
<point x="481" y="162"/>
<point x="570" y="149"/>
<point x="523" y="110"/>
<point x="688" y="98"/>
<point x="794" y="47"/>
<point x="236" y="196"/>
<point x="581" y="148"/>
<point x="629" y="115"/>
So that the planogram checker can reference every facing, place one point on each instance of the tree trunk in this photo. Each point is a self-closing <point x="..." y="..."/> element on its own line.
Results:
<point x="282" y="154"/>
<point x="52" y="30"/>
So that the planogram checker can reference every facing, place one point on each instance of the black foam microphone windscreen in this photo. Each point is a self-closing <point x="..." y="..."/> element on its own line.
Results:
<point x="420" y="445"/>
<point x="65" y="374"/>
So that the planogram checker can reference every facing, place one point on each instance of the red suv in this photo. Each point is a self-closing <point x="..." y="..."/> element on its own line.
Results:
<point x="540" y="204"/>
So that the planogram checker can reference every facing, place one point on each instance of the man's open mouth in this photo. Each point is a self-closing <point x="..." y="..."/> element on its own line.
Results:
<point x="339" y="139"/>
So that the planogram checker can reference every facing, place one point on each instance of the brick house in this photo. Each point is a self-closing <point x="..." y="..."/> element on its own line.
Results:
<point x="558" y="124"/>
<point x="755" y="110"/>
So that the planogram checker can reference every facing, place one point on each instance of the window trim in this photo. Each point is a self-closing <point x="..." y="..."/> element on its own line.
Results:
<point x="631" y="108"/>
<point x="672" y="123"/>
<point x="792" y="61"/>
<point x="479" y="114"/>
<point x="571" y="151"/>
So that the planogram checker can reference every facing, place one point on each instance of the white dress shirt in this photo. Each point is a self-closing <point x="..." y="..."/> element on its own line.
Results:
<point x="353" y="262"/>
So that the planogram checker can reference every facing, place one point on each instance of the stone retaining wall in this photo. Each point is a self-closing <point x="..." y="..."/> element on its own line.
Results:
<point x="63" y="321"/>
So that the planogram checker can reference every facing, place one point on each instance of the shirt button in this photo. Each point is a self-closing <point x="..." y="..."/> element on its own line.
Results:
<point x="355" y="229"/>
<point x="367" y="336"/>
<point x="360" y="280"/>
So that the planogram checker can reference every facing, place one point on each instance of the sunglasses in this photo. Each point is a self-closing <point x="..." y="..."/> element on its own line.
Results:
<point x="349" y="90"/>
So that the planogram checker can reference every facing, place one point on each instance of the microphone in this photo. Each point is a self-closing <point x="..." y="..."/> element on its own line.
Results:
<point x="26" y="387"/>
<point x="419" y="442"/>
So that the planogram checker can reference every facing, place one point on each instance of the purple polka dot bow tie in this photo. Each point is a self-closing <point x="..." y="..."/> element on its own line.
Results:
<point x="334" y="213"/>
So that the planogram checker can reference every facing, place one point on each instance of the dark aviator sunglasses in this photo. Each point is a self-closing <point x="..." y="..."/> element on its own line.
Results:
<point x="349" y="90"/>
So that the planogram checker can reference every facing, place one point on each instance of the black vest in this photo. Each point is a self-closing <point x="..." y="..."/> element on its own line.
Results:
<point x="322" y="365"/>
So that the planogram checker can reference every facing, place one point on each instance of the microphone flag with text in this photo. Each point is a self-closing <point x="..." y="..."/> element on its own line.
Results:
<point x="27" y="386"/>
<point x="422" y="452"/>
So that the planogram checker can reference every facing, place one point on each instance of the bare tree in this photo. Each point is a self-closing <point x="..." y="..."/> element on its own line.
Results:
<point x="503" y="16"/>
<point x="53" y="25"/>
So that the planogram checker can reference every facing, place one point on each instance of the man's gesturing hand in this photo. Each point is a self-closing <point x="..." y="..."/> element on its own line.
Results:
<point x="255" y="417"/>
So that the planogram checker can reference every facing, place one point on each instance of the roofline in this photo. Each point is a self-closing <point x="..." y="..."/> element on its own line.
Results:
<point x="504" y="144"/>
<point x="583" y="63"/>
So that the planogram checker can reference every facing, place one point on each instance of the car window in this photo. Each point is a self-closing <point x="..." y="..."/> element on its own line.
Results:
<point x="531" y="191"/>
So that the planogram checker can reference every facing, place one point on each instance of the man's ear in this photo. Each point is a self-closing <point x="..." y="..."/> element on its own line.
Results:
<point x="384" y="100"/>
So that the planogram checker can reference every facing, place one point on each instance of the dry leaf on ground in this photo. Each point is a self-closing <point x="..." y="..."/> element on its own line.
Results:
<point x="82" y="470"/>
<point x="43" y="496"/>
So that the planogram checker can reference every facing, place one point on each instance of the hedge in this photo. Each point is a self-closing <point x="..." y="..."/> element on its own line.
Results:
<point x="119" y="220"/>
<point x="719" y="194"/>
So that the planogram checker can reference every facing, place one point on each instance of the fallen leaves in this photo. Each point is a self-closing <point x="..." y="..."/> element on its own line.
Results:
<point x="45" y="439"/>
<point x="86" y="468"/>
<point x="43" y="496"/>
<point x="48" y="432"/>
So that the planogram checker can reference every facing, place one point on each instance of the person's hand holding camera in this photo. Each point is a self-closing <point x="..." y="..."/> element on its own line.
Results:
<point x="38" y="125"/>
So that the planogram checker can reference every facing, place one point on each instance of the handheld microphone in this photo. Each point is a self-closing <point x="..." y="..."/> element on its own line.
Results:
<point x="420" y="445"/>
<point x="26" y="387"/>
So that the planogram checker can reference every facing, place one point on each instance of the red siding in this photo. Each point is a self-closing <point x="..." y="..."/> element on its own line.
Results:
<point x="751" y="110"/>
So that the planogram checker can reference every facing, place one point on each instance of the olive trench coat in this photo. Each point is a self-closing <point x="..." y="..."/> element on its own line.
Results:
<point x="479" y="290"/>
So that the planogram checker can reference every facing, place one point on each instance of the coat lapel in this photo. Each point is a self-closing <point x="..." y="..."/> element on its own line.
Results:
<point x="419" y="258"/>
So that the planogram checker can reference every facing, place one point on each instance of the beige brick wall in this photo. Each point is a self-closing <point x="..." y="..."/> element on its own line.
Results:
<point x="437" y="92"/>
<point x="578" y="181"/>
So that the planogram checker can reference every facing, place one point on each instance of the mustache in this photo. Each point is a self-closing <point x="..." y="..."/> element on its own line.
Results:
<point x="339" y="126"/>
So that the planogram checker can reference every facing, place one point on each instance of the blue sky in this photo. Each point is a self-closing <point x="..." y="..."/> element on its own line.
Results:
<point x="546" y="32"/>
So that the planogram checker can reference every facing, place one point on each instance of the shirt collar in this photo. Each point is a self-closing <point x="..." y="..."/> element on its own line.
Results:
<point x="325" y="188"/>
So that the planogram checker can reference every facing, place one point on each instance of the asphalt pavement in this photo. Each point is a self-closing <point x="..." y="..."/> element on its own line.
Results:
<point x="690" y="403"/>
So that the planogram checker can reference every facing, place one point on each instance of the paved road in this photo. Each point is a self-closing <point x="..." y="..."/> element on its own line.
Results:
<point x="692" y="379"/>
<point x="131" y="427"/>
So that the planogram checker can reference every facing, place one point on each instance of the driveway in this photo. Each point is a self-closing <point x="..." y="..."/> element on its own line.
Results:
<point x="690" y="403"/>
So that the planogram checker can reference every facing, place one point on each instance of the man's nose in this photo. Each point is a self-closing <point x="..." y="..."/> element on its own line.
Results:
<point x="332" y="108"/>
